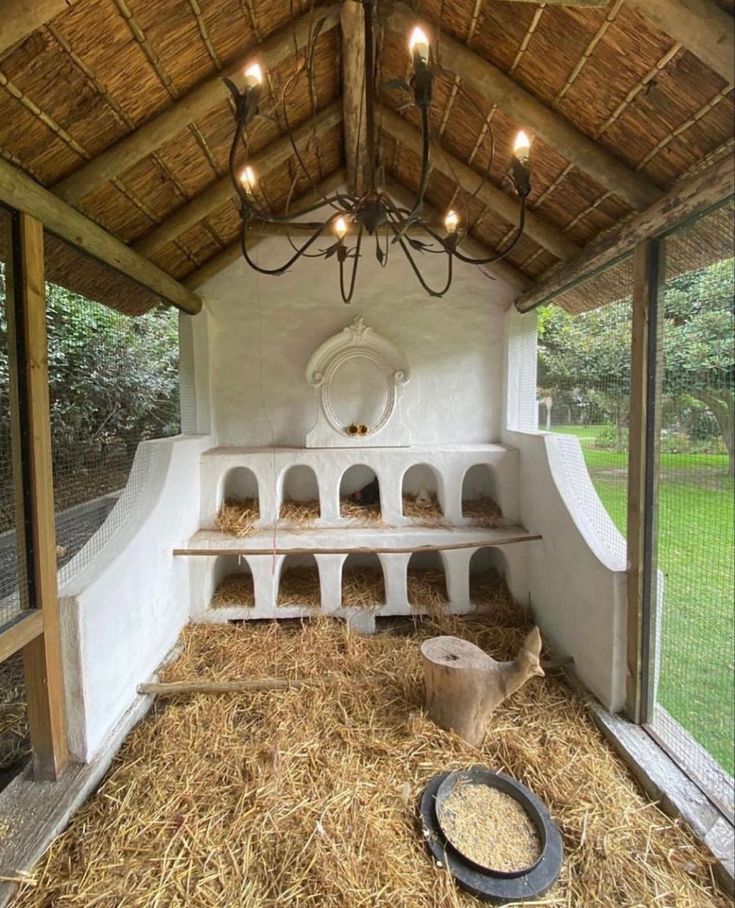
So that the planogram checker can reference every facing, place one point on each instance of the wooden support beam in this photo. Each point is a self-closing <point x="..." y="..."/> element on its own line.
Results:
<point x="354" y="124"/>
<point x="149" y="137"/>
<point x="232" y="253"/>
<point x="31" y="436"/>
<point x="26" y="627"/>
<point x="492" y="83"/>
<point x="645" y="385"/>
<point x="19" y="191"/>
<point x="217" y="194"/>
<point x="21" y="17"/>
<point x="700" y="25"/>
<point x="685" y="200"/>
<point x="539" y="230"/>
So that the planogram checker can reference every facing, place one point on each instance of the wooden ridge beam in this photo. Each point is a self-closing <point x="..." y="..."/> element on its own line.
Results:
<point x="493" y="84"/>
<point x="232" y="253"/>
<point x="686" y="200"/>
<point x="21" y="17"/>
<point x="539" y="230"/>
<point x="217" y="194"/>
<point x="149" y="137"/>
<point x="354" y="124"/>
<point x="19" y="191"/>
<point x="700" y="25"/>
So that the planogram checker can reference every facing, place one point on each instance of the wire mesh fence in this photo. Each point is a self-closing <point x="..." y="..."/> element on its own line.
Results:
<point x="113" y="382"/>
<point x="584" y="380"/>
<point x="696" y="533"/>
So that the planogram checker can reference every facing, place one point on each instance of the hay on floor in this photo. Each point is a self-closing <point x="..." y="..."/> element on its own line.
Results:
<point x="299" y="585"/>
<point x="298" y="513"/>
<point x="489" y="594"/>
<point x="483" y="512"/>
<point x="308" y="796"/>
<point x="359" y="513"/>
<point x="235" y="589"/>
<point x="363" y="587"/>
<point x="237" y="516"/>
<point x="15" y="746"/>
<point x="430" y="516"/>
<point x="427" y="590"/>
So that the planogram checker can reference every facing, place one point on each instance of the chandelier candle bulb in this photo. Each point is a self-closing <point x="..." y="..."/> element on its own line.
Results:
<point x="522" y="146"/>
<point x="451" y="221"/>
<point x="340" y="228"/>
<point x="247" y="178"/>
<point x="419" y="44"/>
<point x="253" y="75"/>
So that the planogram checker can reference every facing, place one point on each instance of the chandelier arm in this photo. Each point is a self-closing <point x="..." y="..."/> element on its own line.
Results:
<point x="346" y="298"/>
<point x="424" y="182"/>
<point x="496" y="257"/>
<point x="415" y="268"/>
<point x="299" y="252"/>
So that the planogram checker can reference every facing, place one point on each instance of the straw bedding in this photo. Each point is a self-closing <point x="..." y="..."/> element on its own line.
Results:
<point x="363" y="587"/>
<point x="427" y="590"/>
<point x="300" y="586"/>
<point x="299" y="512"/>
<point x="235" y="589"/>
<point x="307" y="797"/>
<point x="14" y="742"/>
<point x="359" y="513"/>
<point x="430" y="516"/>
<point x="483" y="512"/>
<point x="237" y="516"/>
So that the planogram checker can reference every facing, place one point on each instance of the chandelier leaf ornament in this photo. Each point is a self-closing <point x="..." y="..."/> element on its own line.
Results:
<point x="372" y="214"/>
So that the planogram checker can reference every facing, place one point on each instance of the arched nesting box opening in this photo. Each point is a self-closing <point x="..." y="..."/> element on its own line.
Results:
<point x="232" y="583"/>
<point x="239" y="506"/>
<point x="480" y="496"/>
<point x="489" y="588"/>
<point x="363" y="583"/>
<point x="299" y="495"/>
<point x="298" y="583"/>
<point x="359" y="495"/>
<point x="426" y="583"/>
<point x="422" y="495"/>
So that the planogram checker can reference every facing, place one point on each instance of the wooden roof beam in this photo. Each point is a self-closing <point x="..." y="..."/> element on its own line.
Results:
<point x="149" y="137"/>
<point x="19" y="191"/>
<point x="215" y="196"/>
<point x="492" y="83"/>
<point x="539" y="230"/>
<point x="232" y="253"/>
<point x="21" y="17"/>
<point x="685" y="200"/>
<point x="354" y="124"/>
<point x="700" y="25"/>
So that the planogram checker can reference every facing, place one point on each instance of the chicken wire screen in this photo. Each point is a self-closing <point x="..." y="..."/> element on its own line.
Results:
<point x="584" y="342"/>
<point x="695" y="538"/>
<point x="113" y="383"/>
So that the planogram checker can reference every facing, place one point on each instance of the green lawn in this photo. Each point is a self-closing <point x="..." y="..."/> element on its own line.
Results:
<point x="696" y="543"/>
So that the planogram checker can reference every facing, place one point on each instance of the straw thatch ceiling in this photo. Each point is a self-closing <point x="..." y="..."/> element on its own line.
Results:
<point x="117" y="105"/>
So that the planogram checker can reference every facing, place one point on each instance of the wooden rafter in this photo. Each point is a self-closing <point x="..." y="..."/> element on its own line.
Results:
<point x="21" y="17"/>
<point x="151" y="136"/>
<point x="537" y="228"/>
<point x="686" y="200"/>
<point x="700" y="25"/>
<point x="353" y="92"/>
<point x="217" y="194"/>
<point x="19" y="191"/>
<point x="233" y="252"/>
<point x="492" y="83"/>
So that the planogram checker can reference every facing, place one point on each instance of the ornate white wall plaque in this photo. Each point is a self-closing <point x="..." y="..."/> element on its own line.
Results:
<point x="357" y="375"/>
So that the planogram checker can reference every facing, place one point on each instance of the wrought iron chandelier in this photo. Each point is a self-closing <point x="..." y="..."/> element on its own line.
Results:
<point x="373" y="213"/>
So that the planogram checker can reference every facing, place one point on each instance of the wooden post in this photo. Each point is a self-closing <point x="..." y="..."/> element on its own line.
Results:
<point x="645" y="387"/>
<point x="26" y="306"/>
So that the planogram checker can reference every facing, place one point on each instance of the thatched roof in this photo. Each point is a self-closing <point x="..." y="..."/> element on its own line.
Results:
<point x="92" y="76"/>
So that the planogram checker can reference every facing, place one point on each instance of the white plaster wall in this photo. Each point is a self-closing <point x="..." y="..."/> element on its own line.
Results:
<point x="577" y="574"/>
<point x="123" y="612"/>
<point x="262" y="331"/>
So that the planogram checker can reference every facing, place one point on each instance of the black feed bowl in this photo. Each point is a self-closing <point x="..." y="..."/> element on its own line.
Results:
<point x="499" y="888"/>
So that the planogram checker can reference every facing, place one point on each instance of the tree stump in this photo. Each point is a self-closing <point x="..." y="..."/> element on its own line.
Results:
<point x="464" y="685"/>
